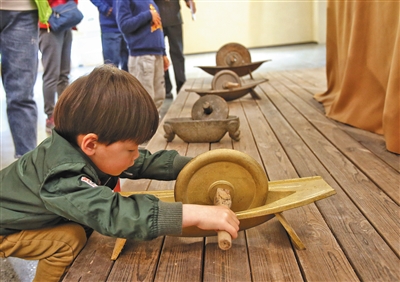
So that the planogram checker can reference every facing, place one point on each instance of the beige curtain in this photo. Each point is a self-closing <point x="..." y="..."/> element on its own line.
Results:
<point x="363" y="62"/>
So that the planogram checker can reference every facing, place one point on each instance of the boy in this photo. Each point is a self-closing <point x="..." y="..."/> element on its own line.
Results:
<point x="50" y="194"/>
<point x="140" y="23"/>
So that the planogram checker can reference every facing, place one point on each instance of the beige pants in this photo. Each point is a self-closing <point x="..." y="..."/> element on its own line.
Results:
<point x="55" y="248"/>
<point x="149" y="70"/>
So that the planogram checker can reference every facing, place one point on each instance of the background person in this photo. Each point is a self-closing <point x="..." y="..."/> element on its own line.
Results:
<point x="115" y="50"/>
<point x="56" y="60"/>
<point x="140" y="23"/>
<point x="19" y="66"/>
<point x="170" y="12"/>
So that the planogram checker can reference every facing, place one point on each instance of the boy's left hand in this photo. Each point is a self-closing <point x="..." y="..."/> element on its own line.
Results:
<point x="166" y="63"/>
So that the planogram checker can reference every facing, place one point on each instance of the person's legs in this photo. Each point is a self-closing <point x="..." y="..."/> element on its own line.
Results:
<point x="19" y="64"/>
<point x="50" y="45"/>
<point x="159" y="82"/>
<point x="176" y="52"/>
<point x="55" y="248"/>
<point x="124" y="53"/>
<point x="144" y="68"/>
<point x="111" y="48"/>
<point x="167" y="79"/>
<point x="65" y="67"/>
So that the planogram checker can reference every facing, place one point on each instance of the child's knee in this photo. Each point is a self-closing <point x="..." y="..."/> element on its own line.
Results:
<point x="78" y="237"/>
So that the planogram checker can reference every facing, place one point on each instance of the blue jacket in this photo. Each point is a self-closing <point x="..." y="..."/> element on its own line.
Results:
<point x="108" y="22"/>
<point x="134" y="20"/>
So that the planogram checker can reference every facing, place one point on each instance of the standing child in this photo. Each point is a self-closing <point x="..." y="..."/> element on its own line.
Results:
<point x="113" y="43"/>
<point x="140" y="23"/>
<point x="55" y="47"/>
<point x="51" y="194"/>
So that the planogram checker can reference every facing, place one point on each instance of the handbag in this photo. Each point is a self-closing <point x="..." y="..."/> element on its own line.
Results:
<point x="65" y="16"/>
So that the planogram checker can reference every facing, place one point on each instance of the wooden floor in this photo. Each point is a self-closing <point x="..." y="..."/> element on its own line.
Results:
<point x="351" y="236"/>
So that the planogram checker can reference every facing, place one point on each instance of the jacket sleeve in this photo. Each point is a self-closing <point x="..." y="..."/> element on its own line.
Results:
<point x="76" y="197"/>
<point x="129" y="21"/>
<point x="162" y="165"/>
<point x="102" y="6"/>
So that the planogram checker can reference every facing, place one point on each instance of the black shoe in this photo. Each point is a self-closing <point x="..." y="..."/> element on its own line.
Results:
<point x="169" y="95"/>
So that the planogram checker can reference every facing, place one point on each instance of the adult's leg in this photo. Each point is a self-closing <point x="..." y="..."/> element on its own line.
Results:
<point x="176" y="52"/>
<point x="124" y="53"/>
<point x="50" y="45"/>
<point x="168" y="84"/>
<point x="55" y="248"/>
<point x="19" y="64"/>
<point x="65" y="68"/>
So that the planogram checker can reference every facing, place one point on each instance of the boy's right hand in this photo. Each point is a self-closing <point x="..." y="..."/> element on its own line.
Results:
<point x="210" y="218"/>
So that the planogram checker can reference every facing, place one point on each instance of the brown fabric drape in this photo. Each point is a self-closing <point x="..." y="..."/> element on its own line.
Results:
<point x="363" y="61"/>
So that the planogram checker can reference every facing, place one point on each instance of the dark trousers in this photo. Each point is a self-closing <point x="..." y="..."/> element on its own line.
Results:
<point x="174" y="34"/>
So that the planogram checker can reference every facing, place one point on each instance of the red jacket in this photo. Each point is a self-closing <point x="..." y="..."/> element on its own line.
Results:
<point x="54" y="3"/>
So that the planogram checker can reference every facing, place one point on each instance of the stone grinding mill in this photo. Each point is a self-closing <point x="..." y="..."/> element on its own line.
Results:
<point x="209" y="122"/>
<point x="233" y="178"/>
<point x="233" y="61"/>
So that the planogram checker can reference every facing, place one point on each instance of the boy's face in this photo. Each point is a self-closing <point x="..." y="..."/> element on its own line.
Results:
<point x="115" y="158"/>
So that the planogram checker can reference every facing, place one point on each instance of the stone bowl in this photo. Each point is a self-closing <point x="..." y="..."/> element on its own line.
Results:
<point x="201" y="131"/>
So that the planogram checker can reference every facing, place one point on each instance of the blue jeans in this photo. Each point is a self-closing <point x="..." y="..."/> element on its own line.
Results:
<point x="115" y="50"/>
<point x="19" y="66"/>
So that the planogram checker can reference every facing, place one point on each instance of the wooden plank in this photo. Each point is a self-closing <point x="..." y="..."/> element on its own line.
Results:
<point x="376" y="169"/>
<point x="181" y="259"/>
<point x="270" y="252"/>
<point x="137" y="262"/>
<point x="308" y="220"/>
<point x="93" y="263"/>
<point x="372" y="141"/>
<point x="230" y="265"/>
<point x="354" y="233"/>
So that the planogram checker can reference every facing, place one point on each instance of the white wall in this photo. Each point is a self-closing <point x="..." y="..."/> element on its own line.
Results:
<point x="253" y="23"/>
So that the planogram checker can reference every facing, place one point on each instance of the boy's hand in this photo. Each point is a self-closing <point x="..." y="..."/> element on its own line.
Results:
<point x="211" y="218"/>
<point x="155" y="19"/>
<point x="166" y="63"/>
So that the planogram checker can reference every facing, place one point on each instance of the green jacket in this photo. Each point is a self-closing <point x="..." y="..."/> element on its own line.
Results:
<point x="57" y="182"/>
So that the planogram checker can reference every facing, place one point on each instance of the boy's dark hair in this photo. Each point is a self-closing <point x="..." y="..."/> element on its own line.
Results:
<point x="108" y="102"/>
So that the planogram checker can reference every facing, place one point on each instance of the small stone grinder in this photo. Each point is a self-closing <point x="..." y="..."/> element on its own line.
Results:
<point x="234" y="57"/>
<point x="233" y="60"/>
<point x="228" y="85"/>
<point x="233" y="178"/>
<point x="209" y="123"/>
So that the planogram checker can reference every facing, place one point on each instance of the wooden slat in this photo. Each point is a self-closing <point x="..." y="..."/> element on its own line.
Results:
<point x="376" y="169"/>
<point x="350" y="226"/>
<point x="137" y="262"/>
<point x="93" y="262"/>
<point x="373" y="142"/>
<point x="368" y="196"/>
<point x="230" y="265"/>
<point x="181" y="260"/>
<point x="305" y="225"/>
<point x="267" y="264"/>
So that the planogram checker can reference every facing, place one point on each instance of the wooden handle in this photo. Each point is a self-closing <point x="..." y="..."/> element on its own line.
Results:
<point x="231" y="85"/>
<point x="223" y="197"/>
